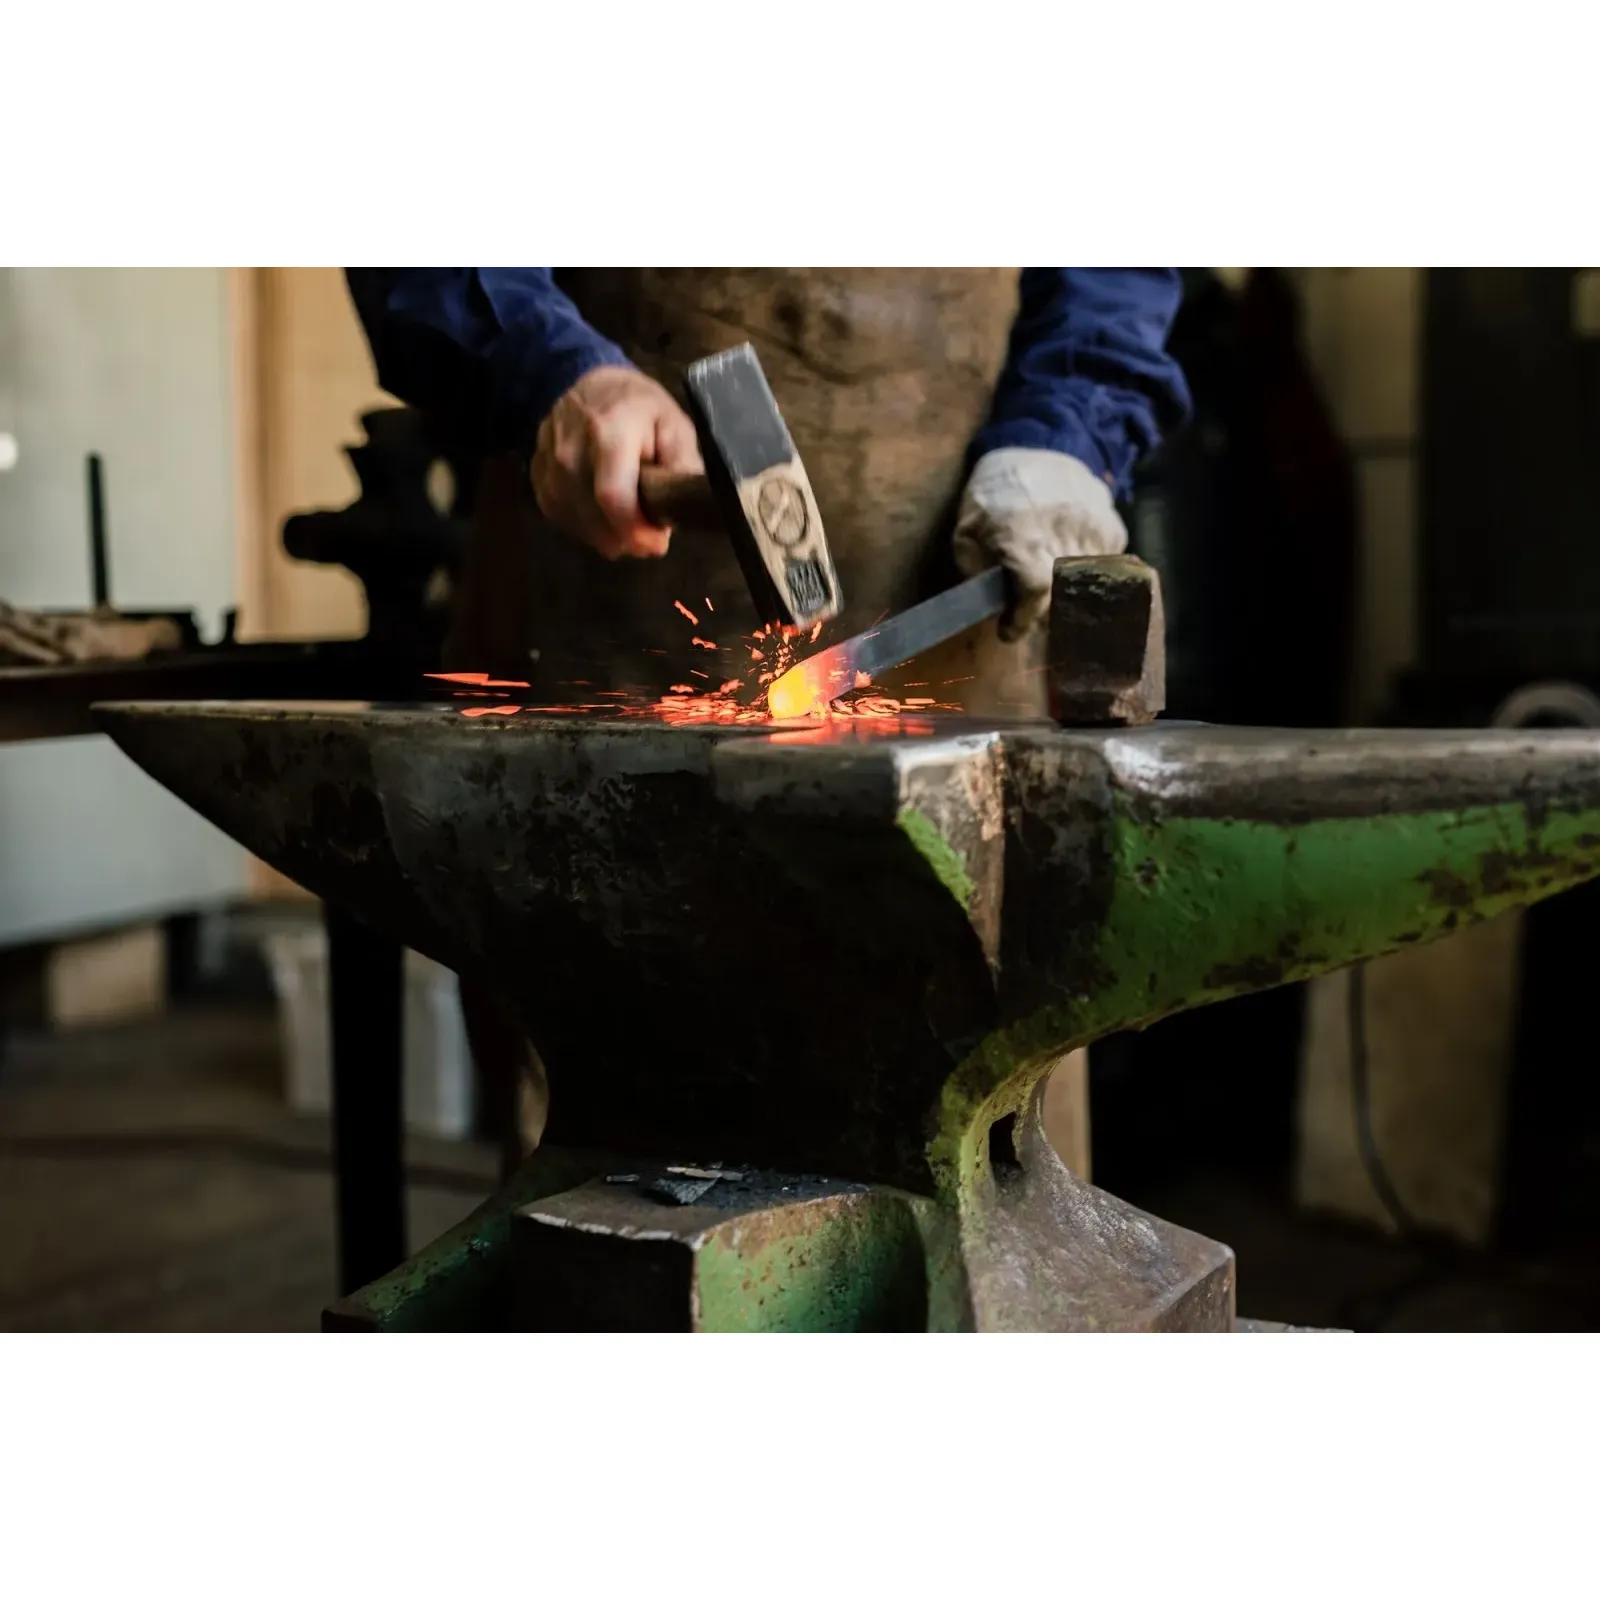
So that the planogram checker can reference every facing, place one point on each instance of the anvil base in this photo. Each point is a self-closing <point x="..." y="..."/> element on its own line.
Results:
<point x="603" y="1244"/>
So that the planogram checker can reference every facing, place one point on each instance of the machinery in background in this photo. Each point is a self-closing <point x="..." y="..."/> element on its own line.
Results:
<point x="405" y="549"/>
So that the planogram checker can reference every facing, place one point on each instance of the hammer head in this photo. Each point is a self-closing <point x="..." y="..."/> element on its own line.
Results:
<point x="1107" y="660"/>
<point x="765" y="496"/>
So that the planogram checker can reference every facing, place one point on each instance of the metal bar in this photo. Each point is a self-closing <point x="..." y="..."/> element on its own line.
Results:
<point x="97" y="535"/>
<point x="832" y="672"/>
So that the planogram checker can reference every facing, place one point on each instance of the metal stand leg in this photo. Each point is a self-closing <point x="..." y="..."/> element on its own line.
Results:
<point x="183" y="956"/>
<point x="365" y="1003"/>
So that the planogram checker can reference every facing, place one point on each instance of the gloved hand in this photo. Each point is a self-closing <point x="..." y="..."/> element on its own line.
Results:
<point x="1023" y="510"/>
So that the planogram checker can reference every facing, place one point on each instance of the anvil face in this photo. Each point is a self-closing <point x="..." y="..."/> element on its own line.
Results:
<point x="849" y="949"/>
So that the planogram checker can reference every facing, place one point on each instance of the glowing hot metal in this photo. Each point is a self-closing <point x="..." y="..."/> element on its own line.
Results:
<point x="810" y="686"/>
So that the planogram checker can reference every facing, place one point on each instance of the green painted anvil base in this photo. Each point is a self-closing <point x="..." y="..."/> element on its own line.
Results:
<point x="602" y="1245"/>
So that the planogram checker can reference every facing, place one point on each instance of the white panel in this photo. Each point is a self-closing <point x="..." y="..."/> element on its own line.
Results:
<point x="88" y="841"/>
<point x="131" y="363"/>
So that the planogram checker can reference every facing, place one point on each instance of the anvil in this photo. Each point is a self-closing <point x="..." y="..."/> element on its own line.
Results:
<point x="840" y="961"/>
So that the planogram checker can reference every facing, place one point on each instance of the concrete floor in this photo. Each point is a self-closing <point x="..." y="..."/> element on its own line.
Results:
<point x="1308" y="1272"/>
<point x="151" y="1179"/>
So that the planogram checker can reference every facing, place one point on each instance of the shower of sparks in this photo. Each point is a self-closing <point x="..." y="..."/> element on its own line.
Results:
<point x="736" y="701"/>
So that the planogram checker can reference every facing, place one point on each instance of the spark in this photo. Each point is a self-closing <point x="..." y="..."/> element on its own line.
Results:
<point x="694" y="621"/>
<point x="481" y="679"/>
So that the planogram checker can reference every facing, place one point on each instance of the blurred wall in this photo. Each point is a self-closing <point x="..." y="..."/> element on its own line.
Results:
<point x="304" y="378"/>
<point x="134" y="364"/>
<point x="1363" y="332"/>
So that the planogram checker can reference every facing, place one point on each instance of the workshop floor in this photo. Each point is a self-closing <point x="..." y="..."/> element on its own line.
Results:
<point x="151" y="1179"/>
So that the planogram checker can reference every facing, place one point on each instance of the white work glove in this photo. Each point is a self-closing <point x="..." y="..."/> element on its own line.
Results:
<point x="1024" y="510"/>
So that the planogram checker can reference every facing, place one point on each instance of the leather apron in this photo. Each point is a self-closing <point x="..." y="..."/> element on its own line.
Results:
<point x="883" y="376"/>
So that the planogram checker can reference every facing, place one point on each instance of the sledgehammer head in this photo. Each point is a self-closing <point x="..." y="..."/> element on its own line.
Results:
<point x="765" y="496"/>
<point x="1107" y="657"/>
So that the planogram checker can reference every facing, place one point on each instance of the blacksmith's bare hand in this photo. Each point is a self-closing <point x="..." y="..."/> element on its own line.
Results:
<point x="589" y="451"/>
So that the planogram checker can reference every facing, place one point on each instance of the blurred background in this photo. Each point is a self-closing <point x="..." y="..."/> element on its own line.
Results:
<point x="1383" y="512"/>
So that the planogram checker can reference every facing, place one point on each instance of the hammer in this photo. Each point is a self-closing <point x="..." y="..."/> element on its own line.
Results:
<point x="754" y="486"/>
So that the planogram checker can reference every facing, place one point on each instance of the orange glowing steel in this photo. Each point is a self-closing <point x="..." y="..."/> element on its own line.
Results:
<point x="490" y="711"/>
<point x="694" y="621"/>
<point x="801" y="692"/>
<point x="705" y="644"/>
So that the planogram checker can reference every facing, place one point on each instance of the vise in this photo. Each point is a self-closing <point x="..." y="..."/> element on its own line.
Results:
<point x="797" y="987"/>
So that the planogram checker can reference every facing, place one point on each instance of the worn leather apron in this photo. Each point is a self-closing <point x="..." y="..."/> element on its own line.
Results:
<point x="883" y="376"/>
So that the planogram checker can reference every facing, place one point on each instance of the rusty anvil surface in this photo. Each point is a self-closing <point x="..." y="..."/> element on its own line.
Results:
<point x="852" y="954"/>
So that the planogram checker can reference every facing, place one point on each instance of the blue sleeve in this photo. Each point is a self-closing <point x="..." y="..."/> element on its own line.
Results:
<point x="1087" y="372"/>
<point x="489" y="349"/>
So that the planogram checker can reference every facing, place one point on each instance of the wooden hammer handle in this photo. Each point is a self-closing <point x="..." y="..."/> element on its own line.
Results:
<point x="669" y="498"/>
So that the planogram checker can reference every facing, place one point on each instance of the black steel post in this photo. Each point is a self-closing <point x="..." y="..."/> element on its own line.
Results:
<point x="97" y="535"/>
<point x="365" y="1005"/>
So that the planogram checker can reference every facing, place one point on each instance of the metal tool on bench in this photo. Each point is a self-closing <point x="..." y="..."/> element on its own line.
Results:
<point x="67" y="660"/>
<point x="798" y="993"/>
<point x="55" y="638"/>
<point x="755" y="486"/>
